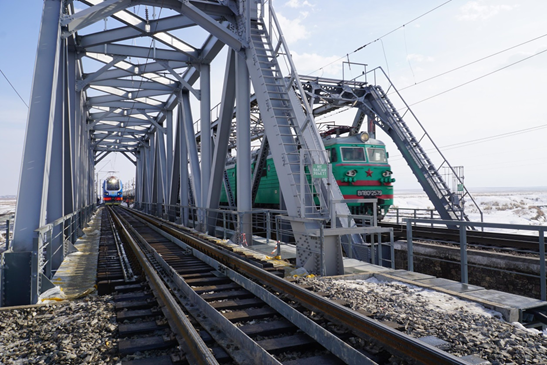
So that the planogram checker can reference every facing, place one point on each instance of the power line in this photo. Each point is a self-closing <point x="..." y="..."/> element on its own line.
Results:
<point x="379" y="38"/>
<point x="480" y="77"/>
<point x="498" y="136"/>
<point x="13" y="87"/>
<point x="471" y="63"/>
<point x="484" y="139"/>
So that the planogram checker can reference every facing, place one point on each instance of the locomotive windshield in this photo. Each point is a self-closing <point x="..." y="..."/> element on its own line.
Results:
<point x="112" y="184"/>
<point x="353" y="154"/>
<point x="376" y="155"/>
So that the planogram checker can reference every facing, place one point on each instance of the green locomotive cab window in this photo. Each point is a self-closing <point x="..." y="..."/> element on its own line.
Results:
<point x="353" y="154"/>
<point x="376" y="155"/>
<point x="333" y="155"/>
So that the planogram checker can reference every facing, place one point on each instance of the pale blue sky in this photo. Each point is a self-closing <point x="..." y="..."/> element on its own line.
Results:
<point x="321" y="31"/>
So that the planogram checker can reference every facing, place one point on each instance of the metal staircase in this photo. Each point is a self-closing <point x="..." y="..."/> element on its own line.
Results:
<point x="295" y="142"/>
<point x="388" y="118"/>
<point x="278" y="117"/>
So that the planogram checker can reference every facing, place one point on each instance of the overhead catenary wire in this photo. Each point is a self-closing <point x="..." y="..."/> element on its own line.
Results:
<point x="379" y="38"/>
<point x="473" y="62"/>
<point x="480" y="77"/>
<point x="14" y="89"/>
<point x="483" y="139"/>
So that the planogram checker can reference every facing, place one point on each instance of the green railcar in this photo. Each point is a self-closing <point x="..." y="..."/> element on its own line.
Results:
<point x="359" y="166"/>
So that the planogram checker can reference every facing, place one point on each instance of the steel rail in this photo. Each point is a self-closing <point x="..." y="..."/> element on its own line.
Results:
<point x="200" y="309"/>
<point x="128" y="274"/>
<point x="328" y="340"/>
<point x="399" y="343"/>
<point x="193" y="344"/>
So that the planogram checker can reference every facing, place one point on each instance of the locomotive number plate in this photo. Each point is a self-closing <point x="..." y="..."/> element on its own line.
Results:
<point x="369" y="192"/>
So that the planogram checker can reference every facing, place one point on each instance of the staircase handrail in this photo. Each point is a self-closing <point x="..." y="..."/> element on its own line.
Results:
<point x="445" y="161"/>
<point x="294" y="77"/>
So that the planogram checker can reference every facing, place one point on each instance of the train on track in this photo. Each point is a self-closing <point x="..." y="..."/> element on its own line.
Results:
<point x="112" y="191"/>
<point x="359" y="165"/>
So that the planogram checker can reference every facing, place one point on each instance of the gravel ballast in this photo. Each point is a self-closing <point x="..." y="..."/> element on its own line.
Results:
<point x="78" y="332"/>
<point x="469" y="328"/>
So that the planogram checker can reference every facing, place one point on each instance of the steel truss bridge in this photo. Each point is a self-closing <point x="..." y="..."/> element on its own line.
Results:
<point x="112" y="78"/>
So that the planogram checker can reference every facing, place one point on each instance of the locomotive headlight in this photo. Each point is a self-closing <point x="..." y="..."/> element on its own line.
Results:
<point x="364" y="137"/>
<point x="387" y="173"/>
<point x="351" y="173"/>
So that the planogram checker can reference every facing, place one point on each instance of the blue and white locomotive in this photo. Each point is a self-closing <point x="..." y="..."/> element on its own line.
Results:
<point x="112" y="191"/>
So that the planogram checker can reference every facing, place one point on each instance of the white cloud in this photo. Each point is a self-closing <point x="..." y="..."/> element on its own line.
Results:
<point x="298" y="3"/>
<point x="326" y="66"/>
<point x="476" y="10"/>
<point x="419" y="58"/>
<point x="293" y="30"/>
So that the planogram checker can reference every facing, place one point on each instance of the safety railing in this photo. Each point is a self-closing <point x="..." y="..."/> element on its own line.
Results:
<point x="64" y="231"/>
<point x="273" y="224"/>
<point x="464" y="262"/>
<point x="50" y="246"/>
<point x="9" y="230"/>
<point x="223" y="223"/>
<point x="378" y="76"/>
<point x="400" y="215"/>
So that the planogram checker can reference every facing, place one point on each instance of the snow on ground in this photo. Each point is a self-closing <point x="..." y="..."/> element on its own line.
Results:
<point x="511" y="206"/>
<point x="7" y="206"/>
<point x="7" y="209"/>
<point x="428" y="298"/>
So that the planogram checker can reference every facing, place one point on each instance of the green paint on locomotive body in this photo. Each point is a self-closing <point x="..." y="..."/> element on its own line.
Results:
<point x="268" y="189"/>
<point x="362" y="171"/>
<point x="360" y="168"/>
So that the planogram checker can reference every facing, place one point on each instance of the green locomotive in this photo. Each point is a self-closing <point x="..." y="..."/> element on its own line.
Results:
<point x="359" y="165"/>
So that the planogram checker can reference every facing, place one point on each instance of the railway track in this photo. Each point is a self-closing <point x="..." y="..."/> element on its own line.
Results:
<point x="251" y="315"/>
<point x="491" y="240"/>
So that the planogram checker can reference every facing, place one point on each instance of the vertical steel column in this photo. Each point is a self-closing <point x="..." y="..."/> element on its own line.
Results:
<point x="21" y="270"/>
<point x="542" y="278"/>
<point x="150" y="172"/>
<point x="463" y="253"/>
<point x="183" y="166"/>
<point x="243" y="125"/>
<point x="160" y="147"/>
<point x="68" y="125"/>
<point x="169" y="154"/>
<point x="205" y="116"/>
<point x="191" y="147"/>
<point x="410" y="248"/>
<point x="55" y="190"/>
<point x="145" y="180"/>
<point x="139" y="180"/>
<point x="174" y="191"/>
<point x="159" y="173"/>
<point x="223" y="136"/>
<point x="34" y="179"/>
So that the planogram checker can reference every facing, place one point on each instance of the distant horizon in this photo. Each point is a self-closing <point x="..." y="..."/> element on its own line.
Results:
<point x="500" y="189"/>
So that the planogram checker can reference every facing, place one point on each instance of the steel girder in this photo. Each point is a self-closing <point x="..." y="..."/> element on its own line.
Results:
<point x="54" y="162"/>
<point x="105" y="93"/>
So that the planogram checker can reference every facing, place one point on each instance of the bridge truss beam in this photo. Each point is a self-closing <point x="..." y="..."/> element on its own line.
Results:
<point x="110" y="80"/>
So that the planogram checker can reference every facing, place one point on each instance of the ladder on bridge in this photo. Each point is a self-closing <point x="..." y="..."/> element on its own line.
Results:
<point x="388" y="118"/>
<point x="290" y="127"/>
<point x="279" y="118"/>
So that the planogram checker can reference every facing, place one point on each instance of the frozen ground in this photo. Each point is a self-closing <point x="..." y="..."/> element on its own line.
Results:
<point x="7" y="206"/>
<point x="7" y="210"/>
<point x="511" y="206"/>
